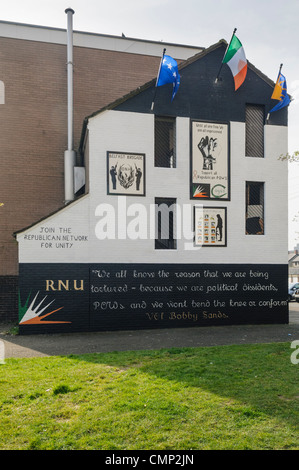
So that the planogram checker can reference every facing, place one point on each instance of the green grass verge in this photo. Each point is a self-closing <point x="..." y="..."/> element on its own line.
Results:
<point x="228" y="397"/>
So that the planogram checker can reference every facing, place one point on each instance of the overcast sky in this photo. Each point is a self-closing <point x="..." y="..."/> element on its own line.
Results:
<point x="268" y="30"/>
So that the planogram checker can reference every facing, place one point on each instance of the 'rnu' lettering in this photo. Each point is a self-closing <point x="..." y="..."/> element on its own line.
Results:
<point x="64" y="285"/>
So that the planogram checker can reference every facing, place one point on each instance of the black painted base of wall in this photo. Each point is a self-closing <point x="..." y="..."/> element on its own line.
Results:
<point x="57" y="298"/>
<point x="8" y="299"/>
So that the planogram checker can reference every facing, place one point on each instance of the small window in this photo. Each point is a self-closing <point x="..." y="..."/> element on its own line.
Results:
<point x="255" y="131"/>
<point x="254" y="208"/>
<point x="165" y="142"/>
<point x="165" y="213"/>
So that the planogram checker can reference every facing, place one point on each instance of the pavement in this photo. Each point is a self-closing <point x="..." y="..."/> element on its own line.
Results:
<point x="30" y="346"/>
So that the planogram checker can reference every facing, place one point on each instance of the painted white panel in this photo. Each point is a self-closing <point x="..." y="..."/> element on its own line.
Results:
<point x="129" y="220"/>
<point x="60" y="238"/>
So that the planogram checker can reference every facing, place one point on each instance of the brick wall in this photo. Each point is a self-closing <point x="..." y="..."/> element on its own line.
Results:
<point x="33" y="134"/>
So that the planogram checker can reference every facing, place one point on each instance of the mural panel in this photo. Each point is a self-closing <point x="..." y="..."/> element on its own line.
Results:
<point x="101" y="297"/>
<point x="126" y="174"/>
<point x="209" y="161"/>
<point x="210" y="226"/>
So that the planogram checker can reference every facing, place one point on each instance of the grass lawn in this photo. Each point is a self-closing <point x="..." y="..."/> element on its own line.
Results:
<point x="228" y="397"/>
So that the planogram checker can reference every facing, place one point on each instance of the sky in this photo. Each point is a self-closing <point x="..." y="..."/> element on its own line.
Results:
<point x="267" y="29"/>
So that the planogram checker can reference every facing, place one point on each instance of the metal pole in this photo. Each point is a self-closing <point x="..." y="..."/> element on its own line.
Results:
<point x="70" y="13"/>
<point x="152" y="106"/>
<point x="69" y="154"/>
<point x="217" y="78"/>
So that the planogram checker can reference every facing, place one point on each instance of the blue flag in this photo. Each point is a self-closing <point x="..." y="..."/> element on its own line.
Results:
<point x="280" y="93"/>
<point x="169" y="74"/>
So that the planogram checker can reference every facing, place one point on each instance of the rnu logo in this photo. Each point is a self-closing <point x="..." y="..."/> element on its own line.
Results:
<point x="218" y="190"/>
<point x="66" y="284"/>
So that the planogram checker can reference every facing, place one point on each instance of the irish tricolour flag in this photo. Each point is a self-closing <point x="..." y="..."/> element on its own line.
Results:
<point x="236" y="60"/>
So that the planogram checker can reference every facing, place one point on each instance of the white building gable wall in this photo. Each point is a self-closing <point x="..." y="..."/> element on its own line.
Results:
<point x="134" y="132"/>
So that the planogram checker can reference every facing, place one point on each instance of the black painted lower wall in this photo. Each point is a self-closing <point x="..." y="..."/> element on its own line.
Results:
<point x="81" y="297"/>
<point x="9" y="299"/>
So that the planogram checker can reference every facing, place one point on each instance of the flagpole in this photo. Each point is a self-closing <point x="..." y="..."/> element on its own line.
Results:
<point x="280" y="67"/>
<point x="216" y="80"/>
<point x="152" y="106"/>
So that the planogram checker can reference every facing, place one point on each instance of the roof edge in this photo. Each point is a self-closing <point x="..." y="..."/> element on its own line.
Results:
<point x="76" y="32"/>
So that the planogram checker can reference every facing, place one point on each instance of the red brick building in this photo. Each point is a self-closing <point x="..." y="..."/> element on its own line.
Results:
<point x="33" y="110"/>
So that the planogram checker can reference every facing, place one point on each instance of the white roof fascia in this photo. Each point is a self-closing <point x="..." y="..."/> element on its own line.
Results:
<point x="96" y="41"/>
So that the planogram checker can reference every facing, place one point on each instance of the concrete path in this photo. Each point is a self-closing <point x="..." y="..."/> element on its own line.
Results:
<point x="82" y="343"/>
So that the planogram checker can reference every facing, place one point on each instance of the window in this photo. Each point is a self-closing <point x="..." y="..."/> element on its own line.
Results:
<point x="254" y="208"/>
<point x="165" y="209"/>
<point x="165" y="142"/>
<point x="255" y="131"/>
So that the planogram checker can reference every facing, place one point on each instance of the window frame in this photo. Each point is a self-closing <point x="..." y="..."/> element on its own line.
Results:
<point x="253" y="230"/>
<point x="169" y="243"/>
<point x="254" y="149"/>
<point x="171" y="159"/>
